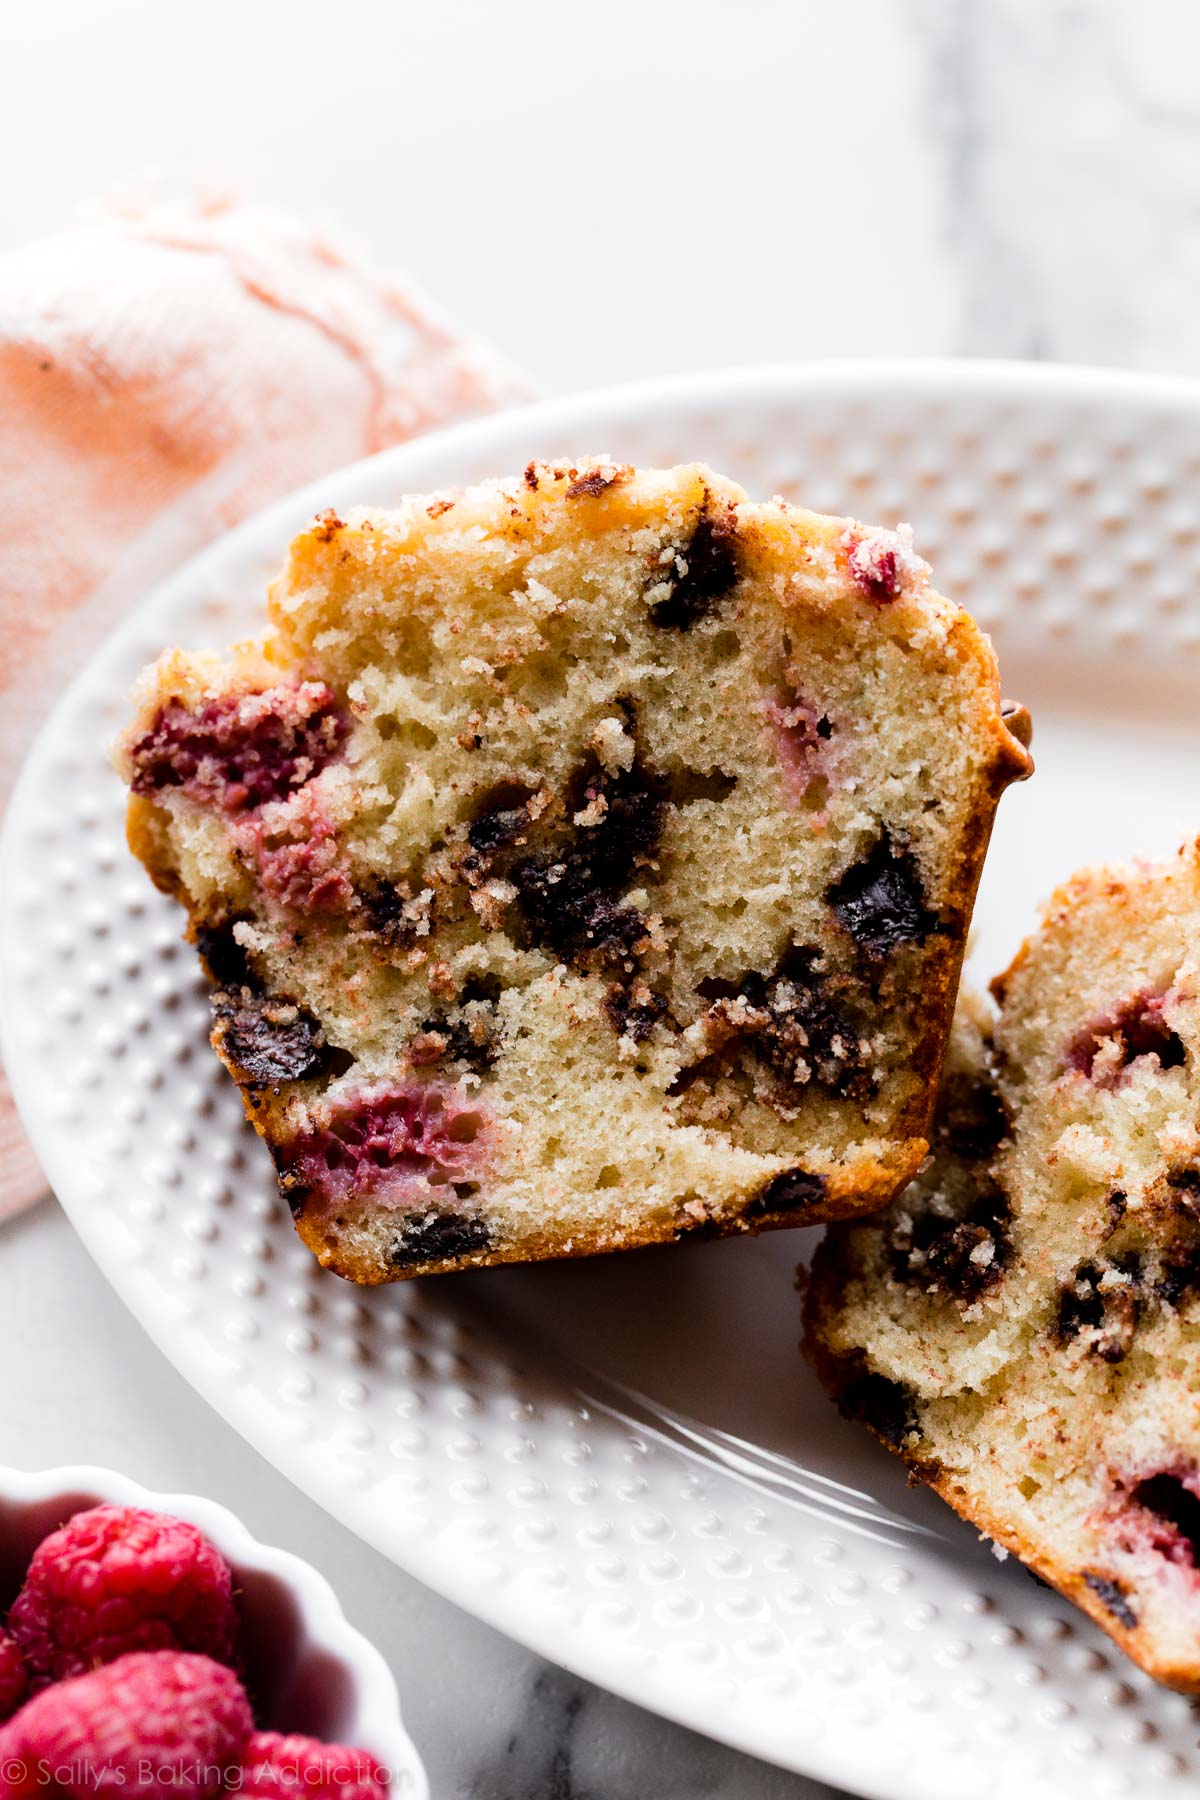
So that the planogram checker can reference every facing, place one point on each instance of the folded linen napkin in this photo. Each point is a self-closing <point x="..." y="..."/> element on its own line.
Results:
<point x="166" y="369"/>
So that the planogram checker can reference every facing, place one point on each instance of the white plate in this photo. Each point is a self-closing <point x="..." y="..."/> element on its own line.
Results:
<point x="622" y="1462"/>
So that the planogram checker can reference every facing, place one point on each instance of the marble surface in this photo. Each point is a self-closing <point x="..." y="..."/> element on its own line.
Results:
<point x="608" y="193"/>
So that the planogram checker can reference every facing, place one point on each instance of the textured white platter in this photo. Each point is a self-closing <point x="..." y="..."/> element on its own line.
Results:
<point x="623" y="1462"/>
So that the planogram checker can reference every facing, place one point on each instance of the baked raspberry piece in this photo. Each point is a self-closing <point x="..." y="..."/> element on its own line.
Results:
<point x="157" y="1723"/>
<point x="14" y="1677"/>
<point x="635" y="821"/>
<point x="394" y="1147"/>
<point x="1023" y="1324"/>
<point x="239" y="750"/>
<point x="115" y="1579"/>
<point x="1107" y="1046"/>
<point x="275" y="1766"/>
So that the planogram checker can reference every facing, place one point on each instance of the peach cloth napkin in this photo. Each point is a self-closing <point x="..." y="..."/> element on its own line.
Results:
<point x="164" y="371"/>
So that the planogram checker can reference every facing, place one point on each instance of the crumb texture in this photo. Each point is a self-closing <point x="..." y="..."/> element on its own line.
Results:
<point x="579" y="861"/>
<point x="1023" y="1324"/>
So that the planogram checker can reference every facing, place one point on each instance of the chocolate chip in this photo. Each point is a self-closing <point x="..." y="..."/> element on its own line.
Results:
<point x="885" y="1407"/>
<point x="268" y="1039"/>
<point x="712" y="569"/>
<point x="396" y="914"/>
<point x="224" y="958"/>
<point x="468" y="1032"/>
<point x="1111" y="1596"/>
<point x="1185" y="1186"/>
<point x="567" y="894"/>
<point x="487" y="834"/>
<point x="635" y="1010"/>
<point x="880" y="900"/>
<point x="800" y="1020"/>
<point x="1116" y="1208"/>
<point x="627" y="834"/>
<point x="500" y="816"/>
<point x="794" y="1190"/>
<point x="972" y="1119"/>
<point x="697" y="1231"/>
<point x="1179" y="1277"/>
<point x="438" y="1237"/>
<point x="813" y="1030"/>
<point x="1106" y="1316"/>
<point x="956" y="1255"/>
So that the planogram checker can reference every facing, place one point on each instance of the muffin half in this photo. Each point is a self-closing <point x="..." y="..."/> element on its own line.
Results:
<point x="580" y="861"/>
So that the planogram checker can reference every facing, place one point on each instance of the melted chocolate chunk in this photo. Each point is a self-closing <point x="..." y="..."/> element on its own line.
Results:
<point x="697" y="1232"/>
<point x="1179" y="1278"/>
<point x="801" y="1022"/>
<point x="499" y="818"/>
<point x="1116" y="1208"/>
<point x="1185" y="1186"/>
<point x="1111" y="1596"/>
<point x="394" y="913"/>
<point x="1179" y="1269"/>
<point x="795" y="1190"/>
<point x="809" y="1032"/>
<point x="467" y="1033"/>
<point x="267" y="1039"/>
<point x="881" y="902"/>
<point x="439" y="1237"/>
<point x="1108" y="1315"/>
<point x="972" y="1119"/>
<point x="567" y="895"/>
<point x="712" y="569"/>
<point x="628" y="833"/>
<point x="582" y="927"/>
<point x="635" y="1010"/>
<point x="885" y="1407"/>
<point x="960" y="1257"/>
<point x="223" y="957"/>
<point x="494" y="829"/>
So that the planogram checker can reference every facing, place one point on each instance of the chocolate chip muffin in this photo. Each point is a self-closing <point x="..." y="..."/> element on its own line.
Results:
<point x="580" y="861"/>
<point x="1023" y="1324"/>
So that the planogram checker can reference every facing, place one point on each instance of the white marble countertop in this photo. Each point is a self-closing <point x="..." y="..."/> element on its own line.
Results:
<point x="607" y="192"/>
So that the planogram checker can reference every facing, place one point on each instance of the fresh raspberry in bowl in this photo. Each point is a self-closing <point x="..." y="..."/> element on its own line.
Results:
<point x="274" y="1766"/>
<point x="14" y="1676"/>
<point x="175" y="1654"/>
<point x="158" y="1721"/>
<point x="120" y="1578"/>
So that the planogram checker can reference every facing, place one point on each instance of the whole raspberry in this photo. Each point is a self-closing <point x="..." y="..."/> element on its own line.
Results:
<point x="158" y="1723"/>
<point x="275" y="1766"/>
<point x="14" y="1678"/>
<point x="116" y="1579"/>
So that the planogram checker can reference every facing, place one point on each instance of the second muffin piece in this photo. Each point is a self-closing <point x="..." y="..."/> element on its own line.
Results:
<point x="1023" y="1324"/>
<point x="582" y="861"/>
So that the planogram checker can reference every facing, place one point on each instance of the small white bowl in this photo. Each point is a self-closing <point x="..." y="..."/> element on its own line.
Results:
<point x="310" y="1670"/>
